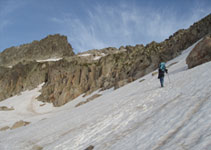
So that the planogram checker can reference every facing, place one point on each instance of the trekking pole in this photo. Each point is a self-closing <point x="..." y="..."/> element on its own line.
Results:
<point x="169" y="78"/>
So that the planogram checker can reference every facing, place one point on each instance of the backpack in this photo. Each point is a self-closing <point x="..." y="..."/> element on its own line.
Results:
<point x="162" y="66"/>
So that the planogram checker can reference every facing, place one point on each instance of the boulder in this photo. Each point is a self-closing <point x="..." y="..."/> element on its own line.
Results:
<point x="5" y="108"/>
<point x="19" y="124"/>
<point x="4" y="128"/>
<point x="200" y="54"/>
<point x="91" y="147"/>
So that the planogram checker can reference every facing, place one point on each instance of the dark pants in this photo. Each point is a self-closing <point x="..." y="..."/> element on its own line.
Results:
<point x="161" y="81"/>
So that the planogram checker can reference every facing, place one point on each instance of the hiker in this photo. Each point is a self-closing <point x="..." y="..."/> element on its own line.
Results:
<point x="161" y="73"/>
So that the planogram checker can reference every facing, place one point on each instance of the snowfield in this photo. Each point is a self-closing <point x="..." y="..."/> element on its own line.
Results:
<point x="138" y="116"/>
<point x="50" y="59"/>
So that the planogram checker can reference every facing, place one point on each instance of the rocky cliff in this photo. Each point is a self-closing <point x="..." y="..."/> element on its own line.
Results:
<point x="53" y="46"/>
<point x="97" y="69"/>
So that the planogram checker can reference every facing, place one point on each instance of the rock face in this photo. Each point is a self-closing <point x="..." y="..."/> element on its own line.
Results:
<point x="200" y="54"/>
<point x="21" y="77"/>
<point x="53" y="46"/>
<point x="97" y="69"/>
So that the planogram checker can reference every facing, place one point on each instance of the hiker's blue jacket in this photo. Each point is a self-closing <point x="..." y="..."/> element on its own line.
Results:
<point x="162" y="70"/>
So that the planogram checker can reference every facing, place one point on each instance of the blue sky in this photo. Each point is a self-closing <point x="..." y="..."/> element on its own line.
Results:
<point x="95" y="24"/>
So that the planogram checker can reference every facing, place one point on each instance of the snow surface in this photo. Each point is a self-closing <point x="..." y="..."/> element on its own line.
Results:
<point x="138" y="116"/>
<point x="97" y="57"/>
<point x="50" y="59"/>
<point x="84" y="55"/>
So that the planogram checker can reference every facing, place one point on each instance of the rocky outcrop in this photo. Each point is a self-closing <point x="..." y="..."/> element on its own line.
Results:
<point x="22" y="77"/>
<point x="200" y="54"/>
<point x="53" y="46"/>
<point x="72" y="76"/>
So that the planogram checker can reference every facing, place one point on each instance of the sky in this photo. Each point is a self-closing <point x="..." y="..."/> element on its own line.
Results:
<point x="96" y="24"/>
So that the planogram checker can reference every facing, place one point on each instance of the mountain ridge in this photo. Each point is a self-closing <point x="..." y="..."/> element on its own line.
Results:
<point x="72" y="76"/>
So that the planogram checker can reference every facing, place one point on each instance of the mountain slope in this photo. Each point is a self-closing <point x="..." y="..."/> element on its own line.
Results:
<point x="140" y="115"/>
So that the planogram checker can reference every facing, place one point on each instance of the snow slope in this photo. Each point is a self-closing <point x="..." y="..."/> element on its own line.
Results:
<point x="138" y="116"/>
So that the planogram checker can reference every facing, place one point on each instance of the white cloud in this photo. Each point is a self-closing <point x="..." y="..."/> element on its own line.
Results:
<point x="121" y="25"/>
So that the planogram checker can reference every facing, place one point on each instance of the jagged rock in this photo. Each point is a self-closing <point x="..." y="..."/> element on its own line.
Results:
<point x="200" y="54"/>
<point x="53" y="46"/>
<point x="19" y="124"/>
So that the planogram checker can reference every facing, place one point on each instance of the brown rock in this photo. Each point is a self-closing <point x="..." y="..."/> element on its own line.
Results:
<point x="91" y="147"/>
<point x="5" y="108"/>
<point x="4" y="128"/>
<point x="19" y="124"/>
<point x="200" y="54"/>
